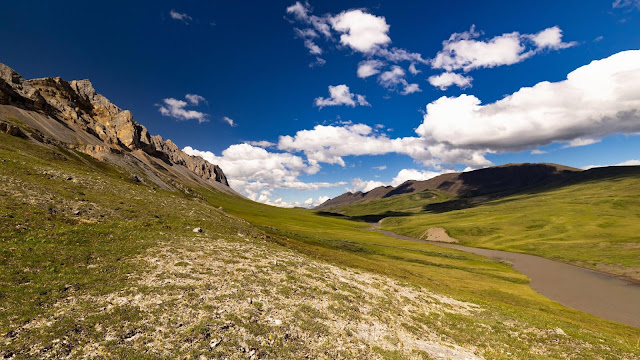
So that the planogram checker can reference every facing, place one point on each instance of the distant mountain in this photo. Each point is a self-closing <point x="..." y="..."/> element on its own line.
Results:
<point x="55" y="112"/>
<point x="493" y="180"/>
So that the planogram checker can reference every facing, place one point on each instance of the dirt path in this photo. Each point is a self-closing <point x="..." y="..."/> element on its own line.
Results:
<point x="596" y="293"/>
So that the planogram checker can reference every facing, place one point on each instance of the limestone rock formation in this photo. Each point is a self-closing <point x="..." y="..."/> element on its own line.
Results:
<point x="94" y="125"/>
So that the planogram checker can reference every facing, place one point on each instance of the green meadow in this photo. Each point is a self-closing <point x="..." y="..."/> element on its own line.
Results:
<point x="72" y="224"/>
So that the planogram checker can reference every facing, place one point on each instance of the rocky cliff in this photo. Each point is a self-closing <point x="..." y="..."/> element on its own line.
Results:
<point x="73" y="114"/>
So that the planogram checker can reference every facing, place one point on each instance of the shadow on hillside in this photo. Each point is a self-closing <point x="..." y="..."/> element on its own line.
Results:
<point x="566" y="179"/>
<point x="373" y="218"/>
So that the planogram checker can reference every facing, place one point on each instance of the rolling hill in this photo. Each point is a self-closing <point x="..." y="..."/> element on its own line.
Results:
<point x="115" y="244"/>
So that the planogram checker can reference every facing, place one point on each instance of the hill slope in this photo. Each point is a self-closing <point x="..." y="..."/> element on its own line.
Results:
<point x="52" y="111"/>
<point x="493" y="180"/>
<point x="95" y="263"/>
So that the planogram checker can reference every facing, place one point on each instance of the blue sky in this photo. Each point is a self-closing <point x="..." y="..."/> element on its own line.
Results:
<point x="264" y="72"/>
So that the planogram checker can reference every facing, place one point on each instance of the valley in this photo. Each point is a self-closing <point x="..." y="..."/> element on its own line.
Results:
<point x="116" y="244"/>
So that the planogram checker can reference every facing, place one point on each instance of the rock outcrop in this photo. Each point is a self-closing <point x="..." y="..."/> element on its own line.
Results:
<point x="97" y="126"/>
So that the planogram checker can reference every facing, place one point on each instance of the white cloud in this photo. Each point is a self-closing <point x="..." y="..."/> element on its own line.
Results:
<point x="413" y="174"/>
<point x="403" y="175"/>
<point x="381" y="167"/>
<point x="394" y="78"/>
<point x="301" y="13"/>
<point x="319" y="62"/>
<point x="262" y="143"/>
<point x="551" y="38"/>
<point x="358" y="184"/>
<point x="255" y="171"/>
<point x="180" y="16"/>
<point x="618" y="4"/>
<point x="229" y="121"/>
<point x="446" y="79"/>
<point x="361" y="31"/>
<point x="195" y="99"/>
<point x="596" y="100"/>
<point x="369" y="68"/>
<point x="328" y="144"/>
<point x="537" y="152"/>
<point x="462" y="51"/>
<point x="311" y="203"/>
<point x="340" y="95"/>
<point x="581" y="142"/>
<point x="598" y="39"/>
<point x="176" y="109"/>
<point x="413" y="70"/>
<point x="632" y="162"/>
<point x="410" y="89"/>
<point x="313" y="48"/>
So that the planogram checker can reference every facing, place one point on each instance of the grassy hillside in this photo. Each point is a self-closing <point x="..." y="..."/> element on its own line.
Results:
<point x="592" y="222"/>
<point x="96" y="265"/>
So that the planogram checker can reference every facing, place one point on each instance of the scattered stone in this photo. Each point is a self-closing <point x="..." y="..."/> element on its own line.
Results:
<point x="559" y="331"/>
<point x="215" y="343"/>
<point x="278" y="322"/>
<point x="76" y="213"/>
<point x="197" y="230"/>
<point x="69" y="178"/>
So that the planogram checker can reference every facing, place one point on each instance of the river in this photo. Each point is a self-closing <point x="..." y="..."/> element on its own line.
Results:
<point x="600" y="294"/>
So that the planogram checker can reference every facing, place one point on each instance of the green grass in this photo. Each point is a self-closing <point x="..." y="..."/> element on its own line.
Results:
<point x="594" y="224"/>
<point x="46" y="252"/>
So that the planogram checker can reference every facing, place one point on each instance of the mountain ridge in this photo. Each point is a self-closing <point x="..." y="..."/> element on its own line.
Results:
<point x="496" y="179"/>
<point x="72" y="114"/>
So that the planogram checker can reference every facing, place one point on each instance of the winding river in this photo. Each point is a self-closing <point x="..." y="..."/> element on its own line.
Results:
<point x="600" y="294"/>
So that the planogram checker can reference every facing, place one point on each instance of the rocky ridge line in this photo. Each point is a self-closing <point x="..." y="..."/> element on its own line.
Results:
<point x="77" y="103"/>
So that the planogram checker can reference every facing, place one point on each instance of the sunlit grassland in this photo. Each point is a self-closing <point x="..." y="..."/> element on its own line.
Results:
<point x="47" y="251"/>
<point x="594" y="223"/>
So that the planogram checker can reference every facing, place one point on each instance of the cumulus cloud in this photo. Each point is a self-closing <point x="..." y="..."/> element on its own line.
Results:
<point x="414" y="174"/>
<point x="395" y="79"/>
<point x="550" y="38"/>
<point x="463" y="52"/>
<point x="180" y="16"/>
<point x="254" y="171"/>
<point x="403" y="175"/>
<point x="329" y="144"/>
<point x="311" y="203"/>
<point x="340" y="95"/>
<point x="176" y="109"/>
<point x="595" y="100"/>
<point x="361" y="31"/>
<point x="358" y="184"/>
<point x="195" y="99"/>
<point x="369" y="68"/>
<point x="446" y="79"/>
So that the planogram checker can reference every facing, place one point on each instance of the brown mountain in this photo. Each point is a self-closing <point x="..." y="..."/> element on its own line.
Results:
<point x="493" y="180"/>
<point x="55" y="112"/>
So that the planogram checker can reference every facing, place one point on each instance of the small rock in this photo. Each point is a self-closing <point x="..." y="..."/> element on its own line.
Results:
<point x="76" y="213"/>
<point x="559" y="331"/>
<point x="250" y="301"/>
<point x="215" y="343"/>
<point x="278" y="322"/>
<point x="197" y="230"/>
<point x="69" y="178"/>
